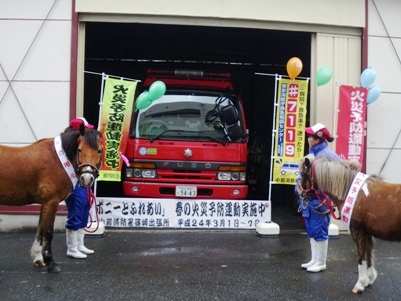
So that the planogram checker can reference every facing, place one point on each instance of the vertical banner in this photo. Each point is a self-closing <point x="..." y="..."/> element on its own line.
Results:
<point x="116" y="111"/>
<point x="289" y="142"/>
<point x="350" y="142"/>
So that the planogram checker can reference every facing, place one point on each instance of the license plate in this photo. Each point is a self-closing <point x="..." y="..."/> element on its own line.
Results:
<point x="185" y="191"/>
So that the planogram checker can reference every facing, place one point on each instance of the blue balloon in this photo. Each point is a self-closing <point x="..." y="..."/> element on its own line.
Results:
<point x="373" y="94"/>
<point x="368" y="77"/>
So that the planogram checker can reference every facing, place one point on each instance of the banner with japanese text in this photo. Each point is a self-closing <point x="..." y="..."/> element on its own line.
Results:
<point x="350" y="141"/>
<point x="182" y="213"/>
<point x="115" y="114"/>
<point x="289" y="144"/>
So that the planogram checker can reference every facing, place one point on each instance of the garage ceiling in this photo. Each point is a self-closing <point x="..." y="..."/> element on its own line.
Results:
<point x="129" y="49"/>
<point x="266" y="50"/>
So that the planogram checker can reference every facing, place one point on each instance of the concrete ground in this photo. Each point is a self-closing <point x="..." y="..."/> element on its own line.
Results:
<point x="193" y="265"/>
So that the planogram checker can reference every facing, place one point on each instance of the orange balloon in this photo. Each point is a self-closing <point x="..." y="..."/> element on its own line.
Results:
<point x="294" y="67"/>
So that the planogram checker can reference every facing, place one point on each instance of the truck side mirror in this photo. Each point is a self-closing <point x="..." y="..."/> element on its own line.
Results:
<point x="235" y="132"/>
<point x="211" y="117"/>
<point x="229" y="115"/>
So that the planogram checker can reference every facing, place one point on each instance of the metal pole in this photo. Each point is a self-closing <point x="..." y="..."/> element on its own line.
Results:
<point x="273" y="135"/>
<point x="104" y="76"/>
<point x="114" y="76"/>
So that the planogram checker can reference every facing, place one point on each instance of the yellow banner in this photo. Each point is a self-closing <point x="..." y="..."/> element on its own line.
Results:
<point x="116" y="111"/>
<point x="289" y="142"/>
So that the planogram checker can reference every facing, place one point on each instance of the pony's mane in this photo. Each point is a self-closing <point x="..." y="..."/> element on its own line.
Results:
<point x="92" y="138"/>
<point x="69" y="140"/>
<point x="335" y="177"/>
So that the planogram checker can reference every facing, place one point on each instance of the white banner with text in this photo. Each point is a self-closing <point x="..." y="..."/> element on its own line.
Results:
<point x="182" y="213"/>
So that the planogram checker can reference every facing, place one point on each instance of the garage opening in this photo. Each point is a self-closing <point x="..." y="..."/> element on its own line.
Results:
<point x="130" y="49"/>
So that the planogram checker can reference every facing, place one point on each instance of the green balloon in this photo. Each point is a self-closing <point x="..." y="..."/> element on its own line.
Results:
<point x="323" y="76"/>
<point x="157" y="90"/>
<point x="142" y="102"/>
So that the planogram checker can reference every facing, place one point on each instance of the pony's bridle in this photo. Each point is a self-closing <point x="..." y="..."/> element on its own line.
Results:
<point x="93" y="170"/>
<point x="313" y="189"/>
<point x="308" y="175"/>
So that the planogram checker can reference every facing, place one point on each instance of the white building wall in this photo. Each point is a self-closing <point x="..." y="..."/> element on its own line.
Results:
<point x="384" y="115"/>
<point x="259" y="13"/>
<point x="35" y="75"/>
<point x="34" y="69"/>
<point x="343" y="55"/>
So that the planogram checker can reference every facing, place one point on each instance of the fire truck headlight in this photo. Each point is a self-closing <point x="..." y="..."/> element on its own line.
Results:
<point x="235" y="176"/>
<point x="224" y="176"/>
<point x="129" y="172"/>
<point x="242" y="176"/>
<point x="137" y="173"/>
<point x="149" y="173"/>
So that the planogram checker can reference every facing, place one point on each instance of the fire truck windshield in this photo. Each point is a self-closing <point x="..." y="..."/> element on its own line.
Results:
<point x="184" y="117"/>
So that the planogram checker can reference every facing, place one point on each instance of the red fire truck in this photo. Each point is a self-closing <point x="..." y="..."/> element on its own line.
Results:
<point x="191" y="142"/>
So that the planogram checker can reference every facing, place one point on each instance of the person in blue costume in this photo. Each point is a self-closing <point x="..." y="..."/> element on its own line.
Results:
<point x="316" y="215"/>
<point x="78" y="209"/>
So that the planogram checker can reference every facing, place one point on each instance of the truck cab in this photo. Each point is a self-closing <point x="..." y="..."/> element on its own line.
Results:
<point x="190" y="143"/>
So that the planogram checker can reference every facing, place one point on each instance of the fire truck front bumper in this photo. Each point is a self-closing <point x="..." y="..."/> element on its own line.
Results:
<point x="199" y="191"/>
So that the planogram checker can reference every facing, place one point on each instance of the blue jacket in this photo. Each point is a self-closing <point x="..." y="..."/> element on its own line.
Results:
<point x="322" y="150"/>
<point x="316" y="220"/>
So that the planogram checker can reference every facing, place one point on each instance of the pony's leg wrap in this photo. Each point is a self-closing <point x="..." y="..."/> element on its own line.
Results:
<point x="313" y="255"/>
<point x="372" y="274"/>
<point x="363" y="279"/>
<point x="36" y="254"/>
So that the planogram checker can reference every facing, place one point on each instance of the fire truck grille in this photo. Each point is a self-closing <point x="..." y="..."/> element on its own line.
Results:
<point x="187" y="175"/>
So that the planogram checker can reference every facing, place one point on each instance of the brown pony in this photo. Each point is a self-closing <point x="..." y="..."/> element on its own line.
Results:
<point x="367" y="221"/>
<point x="35" y="174"/>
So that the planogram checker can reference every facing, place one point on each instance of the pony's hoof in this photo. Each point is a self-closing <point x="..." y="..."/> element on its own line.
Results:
<point x="39" y="263"/>
<point x="357" y="290"/>
<point x="54" y="269"/>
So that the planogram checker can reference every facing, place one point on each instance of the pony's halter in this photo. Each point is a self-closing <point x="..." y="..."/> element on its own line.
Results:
<point x="93" y="170"/>
<point x="320" y="195"/>
<point x="311" y="175"/>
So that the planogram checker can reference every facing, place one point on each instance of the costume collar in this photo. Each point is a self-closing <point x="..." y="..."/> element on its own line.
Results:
<point x="68" y="167"/>
<point x="350" y="200"/>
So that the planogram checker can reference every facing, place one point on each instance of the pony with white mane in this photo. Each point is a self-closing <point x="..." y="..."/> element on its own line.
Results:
<point x="369" y="206"/>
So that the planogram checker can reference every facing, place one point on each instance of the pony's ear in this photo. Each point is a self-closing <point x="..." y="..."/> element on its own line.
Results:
<point x="82" y="129"/>
<point x="355" y="166"/>
<point x="307" y="162"/>
<point x="102" y="129"/>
